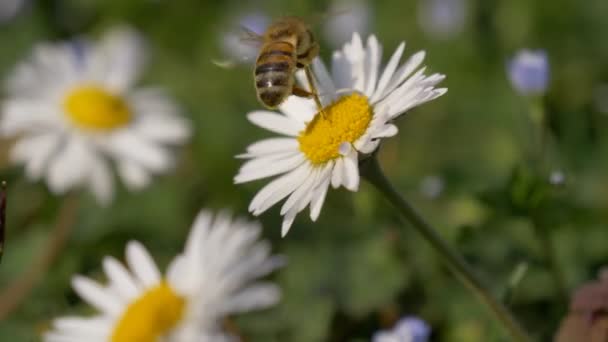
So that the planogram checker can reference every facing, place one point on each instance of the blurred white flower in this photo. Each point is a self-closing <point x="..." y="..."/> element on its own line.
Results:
<point x="442" y="19"/>
<point x="345" y="17"/>
<point x="408" y="329"/>
<point x="432" y="186"/>
<point x="215" y="276"/>
<point x="557" y="177"/>
<point x="233" y="45"/>
<point x="73" y="109"/>
<point x="529" y="72"/>
<point x="10" y="8"/>
<point x="360" y="103"/>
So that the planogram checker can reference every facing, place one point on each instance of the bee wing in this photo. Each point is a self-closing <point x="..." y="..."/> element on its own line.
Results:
<point x="251" y="37"/>
<point x="249" y="42"/>
<point x="233" y="62"/>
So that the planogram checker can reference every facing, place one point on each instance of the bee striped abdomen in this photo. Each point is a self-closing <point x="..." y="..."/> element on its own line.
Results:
<point x="274" y="72"/>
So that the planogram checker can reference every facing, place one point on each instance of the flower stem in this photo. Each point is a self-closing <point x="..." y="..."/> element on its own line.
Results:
<point x="17" y="291"/>
<point x="546" y="243"/>
<point x="370" y="169"/>
<point x="539" y="120"/>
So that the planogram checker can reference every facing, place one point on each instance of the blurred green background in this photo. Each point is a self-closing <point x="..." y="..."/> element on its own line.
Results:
<point x="463" y="160"/>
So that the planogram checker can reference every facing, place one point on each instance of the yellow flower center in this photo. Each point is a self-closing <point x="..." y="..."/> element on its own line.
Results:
<point x="344" y="121"/>
<point x="92" y="108"/>
<point x="151" y="316"/>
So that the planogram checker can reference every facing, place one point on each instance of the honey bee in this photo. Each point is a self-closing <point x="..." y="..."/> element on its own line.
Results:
<point x="287" y="45"/>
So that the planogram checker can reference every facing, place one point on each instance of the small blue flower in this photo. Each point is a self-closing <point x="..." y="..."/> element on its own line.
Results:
<point x="529" y="72"/>
<point x="407" y="329"/>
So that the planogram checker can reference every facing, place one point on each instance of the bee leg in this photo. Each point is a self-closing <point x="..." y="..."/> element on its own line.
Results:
<point x="315" y="94"/>
<point x="301" y="92"/>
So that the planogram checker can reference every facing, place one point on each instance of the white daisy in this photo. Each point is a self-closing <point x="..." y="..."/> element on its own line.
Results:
<point x="73" y="108"/>
<point x="360" y="104"/>
<point x="215" y="276"/>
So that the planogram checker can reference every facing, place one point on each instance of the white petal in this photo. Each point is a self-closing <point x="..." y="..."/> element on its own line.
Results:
<point x="70" y="166"/>
<point x="134" y="175"/>
<point x="121" y="279"/>
<point x="404" y="71"/>
<point x="300" y="193"/>
<point x="152" y="101"/>
<point x="387" y="75"/>
<point x="341" y="71"/>
<point x="288" y="221"/>
<point x="36" y="151"/>
<point x="270" y="169"/>
<point x="337" y="172"/>
<point x="58" y="337"/>
<point x="257" y="296"/>
<point x="162" y="129"/>
<point x="255" y="164"/>
<point x="142" y="265"/>
<point x="90" y="327"/>
<point x="374" y="56"/>
<point x="433" y="80"/>
<point x="127" y="145"/>
<point x="351" y="171"/>
<point x="366" y="145"/>
<point x="20" y="115"/>
<point x="299" y="108"/>
<point x="272" y="145"/>
<point x="276" y="123"/>
<point x="96" y="296"/>
<point x="175" y="273"/>
<point x="100" y="180"/>
<point x="200" y="228"/>
<point x="278" y="189"/>
<point x="318" y="197"/>
<point x="385" y="131"/>
<point x="326" y="85"/>
<point x="121" y="55"/>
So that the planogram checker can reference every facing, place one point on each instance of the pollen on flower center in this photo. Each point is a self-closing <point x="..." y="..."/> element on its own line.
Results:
<point x="151" y="316"/>
<point x="346" y="120"/>
<point x="93" y="108"/>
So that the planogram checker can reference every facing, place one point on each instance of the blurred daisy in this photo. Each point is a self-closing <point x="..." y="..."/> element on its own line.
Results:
<point x="408" y="329"/>
<point x="73" y="109"/>
<point x="529" y="72"/>
<point x="215" y="276"/>
<point x="360" y="102"/>
<point x="346" y="17"/>
<point x="442" y="19"/>
<point x="9" y="9"/>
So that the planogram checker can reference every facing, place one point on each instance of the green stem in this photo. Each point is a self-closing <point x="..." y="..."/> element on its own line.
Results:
<point x="539" y="121"/>
<point x="539" y="135"/>
<point x="544" y="238"/>
<point x="21" y="287"/>
<point x="370" y="169"/>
